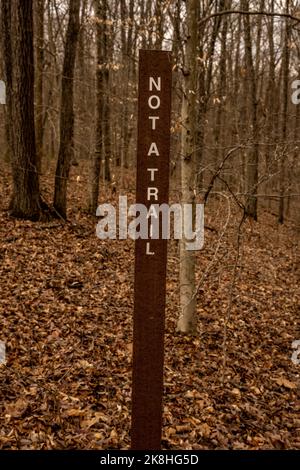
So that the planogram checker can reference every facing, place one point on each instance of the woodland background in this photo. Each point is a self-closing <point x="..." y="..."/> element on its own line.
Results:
<point x="68" y="142"/>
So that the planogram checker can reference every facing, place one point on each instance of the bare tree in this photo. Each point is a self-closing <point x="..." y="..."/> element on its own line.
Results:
<point x="66" y="147"/>
<point x="6" y="44"/>
<point x="252" y="164"/>
<point x="17" y="18"/>
<point x="187" y="319"/>
<point x="285" y="96"/>
<point x="102" y="143"/>
<point x="39" y="94"/>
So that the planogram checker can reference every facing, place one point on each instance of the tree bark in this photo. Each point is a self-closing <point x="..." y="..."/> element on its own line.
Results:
<point x="126" y="47"/>
<point x="101" y="106"/>
<point x="39" y="26"/>
<point x="66" y="147"/>
<point x="17" y="17"/>
<point x="204" y="86"/>
<point x="6" y="44"/>
<point x="107" y="45"/>
<point x="270" y="103"/>
<point x="285" y="94"/>
<point x="159" y="32"/>
<point x="187" y="319"/>
<point x="252" y="167"/>
<point x="222" y="88"/>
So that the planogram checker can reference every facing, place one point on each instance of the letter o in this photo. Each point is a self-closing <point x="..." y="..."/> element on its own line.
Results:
<point x="150" y="103"/>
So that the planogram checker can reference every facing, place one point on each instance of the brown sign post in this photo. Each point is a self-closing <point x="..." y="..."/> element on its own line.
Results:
<point x="153" y="148"/>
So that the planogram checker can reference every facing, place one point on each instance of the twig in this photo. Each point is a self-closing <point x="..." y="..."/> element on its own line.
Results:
<point x="230" y="301"/>
<point x="241" y="12"/>
<point x="211" y="184"/>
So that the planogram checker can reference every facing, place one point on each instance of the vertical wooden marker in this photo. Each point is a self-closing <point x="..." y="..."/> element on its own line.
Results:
<point x="153" y="148"/>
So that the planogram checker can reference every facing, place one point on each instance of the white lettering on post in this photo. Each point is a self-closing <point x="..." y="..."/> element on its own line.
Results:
<point x="153" y="123"/>
<point x="152" y="192"/>
<point x="153" y="150"/>
<point x="154" y="102"/>
<point x="156" y="84"/>
<point x="148" y="252"/>
<point x="152" y="171"/>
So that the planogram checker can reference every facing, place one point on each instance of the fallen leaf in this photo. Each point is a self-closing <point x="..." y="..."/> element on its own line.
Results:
<point x="204" y="430"/>
<point x="282" y="382"/>
<point x="17" y="409"/>
<point x="74" y="412"/>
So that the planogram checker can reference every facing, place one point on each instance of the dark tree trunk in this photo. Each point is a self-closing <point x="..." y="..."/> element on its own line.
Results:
<point x="8" y="75"/>
<point x="19" y="64"/>
<point x="252" y="168"/>
<point x="107" y="46"/>
<point x="102" y="154"/>
<point x="99" y="135"/>
<point x="39" y="26"/>
<point x="205" y="83"/>
<point x="66" y="147"/>
<point x="285" y="95"/>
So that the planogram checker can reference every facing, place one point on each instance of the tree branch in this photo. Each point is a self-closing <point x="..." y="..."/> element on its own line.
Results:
<point x="241" y="12"/>
<point x="210" y="186"/>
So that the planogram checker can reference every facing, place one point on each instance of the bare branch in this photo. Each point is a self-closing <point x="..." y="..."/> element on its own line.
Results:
<point x="211" y="184"/>
<point x="252" y="13"/>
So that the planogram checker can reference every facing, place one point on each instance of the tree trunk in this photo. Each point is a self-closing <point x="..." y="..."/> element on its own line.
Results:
<point x="204" y="85"/>
<point x="222" y="88"/>
<point x="126" y="47"/>
<point x="39" y="26"/>
<point x="66" y="147"/>
<point x="270" y="103"/>
<point x="100" y="104"/>
<point x="187" y="319"/>
<point x="81" y="90"/>
<point x="107" y="46"/>
<point x="285" y="95"/>
<point x="18" y="32"/>
<point x="159" y="32"/>
<point x="252" y="168"/>
<point x="6" y="44"/>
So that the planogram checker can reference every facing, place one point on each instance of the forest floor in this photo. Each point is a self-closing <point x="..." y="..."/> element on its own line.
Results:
<point x="66" y="317"/>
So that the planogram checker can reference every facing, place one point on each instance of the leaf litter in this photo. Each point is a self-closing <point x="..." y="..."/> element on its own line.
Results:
<point x="66" y="319"/>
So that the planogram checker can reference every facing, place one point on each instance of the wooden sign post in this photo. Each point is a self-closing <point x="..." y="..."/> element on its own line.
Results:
<point x="153" y="148"/>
